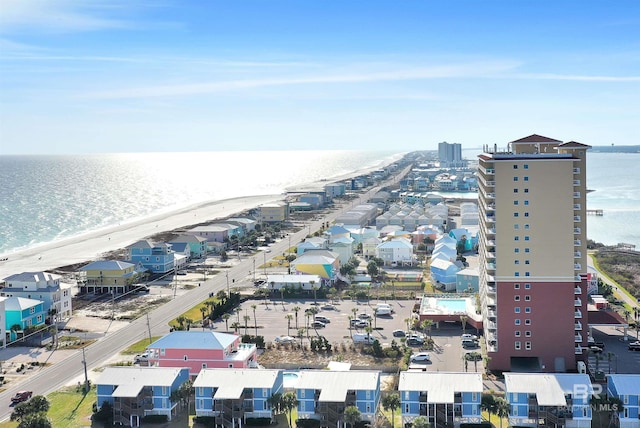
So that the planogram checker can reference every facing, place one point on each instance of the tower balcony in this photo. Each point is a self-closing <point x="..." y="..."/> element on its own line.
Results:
<point x="577" y="326"/>
<point x="577" y="302"/>
<point x="577" y="254"/>
<point x="576" y="195"/>
<point x="576" y="182"/>
<point x="578" y="338"/>
<point x="578" y="350"/>
<point x="577" y="231"/>
<point x="577" y="266"/>
<point x="577" y="290"/>
<point x="577" y="243"/>
<point x="576" y="218"/>
<point x="576" y="170"/>
<point x="577" y="314"/>
<point x="577" y="207"/>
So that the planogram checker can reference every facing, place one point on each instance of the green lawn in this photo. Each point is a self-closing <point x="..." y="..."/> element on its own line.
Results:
<point x="140" y="346"/>
<point x="68" y="408"/>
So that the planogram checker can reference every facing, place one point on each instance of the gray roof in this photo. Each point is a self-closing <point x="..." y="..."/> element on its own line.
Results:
<point x="440" y="387"/>
<point x="320" y="257"/>
<point x="334" y="385"/>
<point x="550" y="389"/>
<point x="107" y="265"/>
<point x="19" y="303"/>
<point x="231" y="382"/>
<point x="32" y="277"/>
<point x="194" y="340"/>
<point x="131" y="379"/>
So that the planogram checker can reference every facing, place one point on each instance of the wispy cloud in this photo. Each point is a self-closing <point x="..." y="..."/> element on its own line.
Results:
<point x="403" y="74"/>
<point x="575" y="77"/>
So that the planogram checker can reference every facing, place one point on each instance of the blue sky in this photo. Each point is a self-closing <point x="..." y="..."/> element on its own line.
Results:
<point x="97" y="76"/>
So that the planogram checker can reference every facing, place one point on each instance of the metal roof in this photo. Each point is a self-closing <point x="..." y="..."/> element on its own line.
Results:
<point x="550" y="389"/>
<point x="129" y="378"/>
<point x="625" y="384"/>
<point x="194" y="340"/>
<point x="230" y="381"/>
<point x="441" y="386"/>
<point x="334" y="385"/>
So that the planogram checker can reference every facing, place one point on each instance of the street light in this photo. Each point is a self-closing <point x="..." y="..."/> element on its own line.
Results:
<point x="254" y="270"/>
<point x="228" y="290"/>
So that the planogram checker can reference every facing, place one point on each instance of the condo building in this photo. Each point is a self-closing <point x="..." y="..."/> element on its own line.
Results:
<point x="532" y="247"/>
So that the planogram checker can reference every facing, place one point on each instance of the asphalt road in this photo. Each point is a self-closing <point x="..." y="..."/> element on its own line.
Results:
<point x="52" y="378"/>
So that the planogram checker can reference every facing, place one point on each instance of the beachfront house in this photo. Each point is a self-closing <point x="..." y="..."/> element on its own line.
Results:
<point x="235" y="396"/>
<point x="274" y="212"/>
<point x="560" y="399"/>
<point x="197" y="245"/>
<point x="313" y="243"/>
<point x="199" y="350"/>
<point x="247" y="224"/>
<point x="396" y="252"/>
<point x="21" y="315"/>
<point x="3" y="327"/>
<point x="43" y="286"/>
<point x="136" y="392"/>
<point x="158" y="258"/>
<point x="325" y="394"/>
<point x="369" y="246"/>
<point x="445" y="399"/>
<point x="324" y="263"/>
<point x="626" y="388"/>
<point x="111" y="276"/>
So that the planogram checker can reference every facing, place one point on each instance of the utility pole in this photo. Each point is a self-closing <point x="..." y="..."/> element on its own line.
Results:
<point x="228" y="289"/>
<point x="149" y="328"/>
<point x="254" y="270"/>
<point x="86" y="378"/>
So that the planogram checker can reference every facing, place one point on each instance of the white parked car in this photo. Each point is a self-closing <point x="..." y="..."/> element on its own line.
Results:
<point x="284" y="339"/>
<point x="322" y="319"/>
<point x="318" y="324"/>
<point x="469" y="337"/>
<point x="420" y="357"/>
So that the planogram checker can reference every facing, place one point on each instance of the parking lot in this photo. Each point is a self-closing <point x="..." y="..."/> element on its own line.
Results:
<point x="272" y="321"/>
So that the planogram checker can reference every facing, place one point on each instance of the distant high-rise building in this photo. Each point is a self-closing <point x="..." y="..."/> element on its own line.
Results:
<point x="450" y="155"/>
<point x="532" y="246"/>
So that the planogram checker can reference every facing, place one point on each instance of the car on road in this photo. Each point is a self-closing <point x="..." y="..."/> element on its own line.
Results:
<point x="182" y="272"/>
<point x="329" y="307"/>
<point x="420" y="357"/>
<point x="634" y="346"/>
<point x="322" y="319"/>
<point x="21" y="396"/>
<point x="318" y="324"/>
<point x="259" y="282"/>
<point x="399" y="333"/>
<point x="469" y="336"/>
<point x="284" y="339"/>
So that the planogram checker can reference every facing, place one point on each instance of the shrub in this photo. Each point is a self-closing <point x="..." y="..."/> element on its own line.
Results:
<point x="155" y="419"/>
<point x="258" y="422"/>
<point x="308" y="423"/>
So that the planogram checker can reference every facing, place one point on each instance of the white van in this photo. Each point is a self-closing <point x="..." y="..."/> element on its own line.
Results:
<point x="381" y="312"/>
<point x="363" y="338"/>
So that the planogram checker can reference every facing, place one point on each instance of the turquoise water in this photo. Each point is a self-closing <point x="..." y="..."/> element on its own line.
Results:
<point x="452" y="305"/>
<point x="289" y="379"/>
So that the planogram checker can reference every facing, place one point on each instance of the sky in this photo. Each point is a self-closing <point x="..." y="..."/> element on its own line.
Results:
<point x="97" y="76"/>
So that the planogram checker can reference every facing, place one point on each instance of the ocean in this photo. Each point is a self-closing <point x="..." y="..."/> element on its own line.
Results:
<point x="48" y="198"/>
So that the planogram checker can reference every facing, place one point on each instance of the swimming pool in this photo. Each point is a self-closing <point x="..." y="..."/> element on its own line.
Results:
<point x="452" y="305"/>
<point x="289" y="379"/>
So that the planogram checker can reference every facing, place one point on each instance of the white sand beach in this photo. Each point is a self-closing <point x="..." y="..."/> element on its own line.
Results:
<point x="92" y="245"/>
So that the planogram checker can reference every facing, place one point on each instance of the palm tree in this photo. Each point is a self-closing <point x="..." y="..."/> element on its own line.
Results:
<point x="255" y="320"/>
<point x="288" y="402"/>
<point x="352" y="416"/>
<point x="488" y="404"/>
<point x="226" y="317"/>
<point x="296" y="309"/>
<point x="246" y="319"/>
<point x="463" y="320"/>
<point x="369" y="330"/>
<point x="274" y="401"/>
<point x="203" y="310"/>
<point x="235" y="326"/>
<point x="351" y="326"/>
<point x="420" y="422"/>
<point x="289" y="317"/>
<point x="502" y="409"/>
<point x="426" y="326"/>
<point x="315" y="292"/>
<point x="391" y="402"/>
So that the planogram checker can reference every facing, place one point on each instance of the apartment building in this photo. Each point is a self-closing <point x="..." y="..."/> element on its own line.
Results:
<point x="532" y="246"/>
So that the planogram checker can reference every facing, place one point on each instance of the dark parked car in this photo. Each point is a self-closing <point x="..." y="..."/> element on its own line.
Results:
<point x="21" y="396"/>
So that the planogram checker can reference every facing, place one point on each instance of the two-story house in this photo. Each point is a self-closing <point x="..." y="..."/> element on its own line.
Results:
<point x="110" y="276"/>
<point x="397" y="251"/>
<point x="323" y="263"/>
<point x="557" y="398"/>
<point x="325" y="394"/>
<point x="136" y="392"/>
<point x="197" y="244"/>
<point x="234" y="395"/>
<point x="626" y="387"/>
<point x="199" y="350"/>
<point x="158" y="258"/>
<point x="43" y="286"/>
<point x="21" y="314"/>
<point x="445" y="399"/>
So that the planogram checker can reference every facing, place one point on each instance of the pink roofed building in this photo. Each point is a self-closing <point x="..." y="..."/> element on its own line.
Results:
<point x="199" y="350"/>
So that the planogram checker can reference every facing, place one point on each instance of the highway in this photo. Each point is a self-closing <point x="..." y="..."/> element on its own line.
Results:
<point x="54" y="377"/>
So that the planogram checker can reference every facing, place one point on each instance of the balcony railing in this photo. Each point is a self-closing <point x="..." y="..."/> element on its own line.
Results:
<point x="578" y="350"/>
<point x="577" y="266"/>
<point x="576" y="194"/>
<point x="577" y="243"/>
<point x="577" y="302"/>
<point x="577" y="231"/>
<point x="576" y="182"/>
<point x="577" y="326"/>
<point x="576" y="207"/>
<point x="577" y="290"/>
<point x="577" y="254"/>
<point x="576" y="218"/>
<point x="576" y="170"/>
<point x="578" y="338"/>
<point x="577" y="314"/>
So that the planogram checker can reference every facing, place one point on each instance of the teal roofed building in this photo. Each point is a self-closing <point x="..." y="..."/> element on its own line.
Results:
<point x="20" y="314"/>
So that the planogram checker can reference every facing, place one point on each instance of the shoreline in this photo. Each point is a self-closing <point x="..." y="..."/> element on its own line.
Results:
<point x="92" y="245"/>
